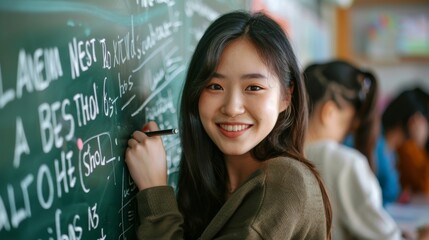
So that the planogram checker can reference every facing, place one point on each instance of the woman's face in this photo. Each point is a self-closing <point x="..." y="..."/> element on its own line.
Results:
<point x="240" y="104"/>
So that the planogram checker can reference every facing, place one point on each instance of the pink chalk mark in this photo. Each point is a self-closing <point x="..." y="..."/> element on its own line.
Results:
<point x="79" y="144"/>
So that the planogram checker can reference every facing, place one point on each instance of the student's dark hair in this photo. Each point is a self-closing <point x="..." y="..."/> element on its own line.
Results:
<point x="403" y="106"/>
<point x="342" y="82"/>
<point x="202" y="179"/>
<point x="423" y="97"/>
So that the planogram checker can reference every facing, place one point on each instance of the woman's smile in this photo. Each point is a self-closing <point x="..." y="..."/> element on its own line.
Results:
<point x="233" y="130"/>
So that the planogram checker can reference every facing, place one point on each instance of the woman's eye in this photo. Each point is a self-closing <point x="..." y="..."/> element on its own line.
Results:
<point x="253" y="88"/>
<point x="214" y="87"/>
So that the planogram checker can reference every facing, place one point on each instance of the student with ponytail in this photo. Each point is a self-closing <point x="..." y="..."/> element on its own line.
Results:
<point x="342" y="100"/>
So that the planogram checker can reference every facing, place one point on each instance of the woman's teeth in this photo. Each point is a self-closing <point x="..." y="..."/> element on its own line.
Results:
<point x="233" y="128"/>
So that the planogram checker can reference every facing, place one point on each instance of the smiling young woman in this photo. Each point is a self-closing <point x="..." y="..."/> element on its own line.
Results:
<point x="243" y="119"/>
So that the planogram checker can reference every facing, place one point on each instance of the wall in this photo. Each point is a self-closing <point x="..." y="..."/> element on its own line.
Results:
<point x="309" y="25"/>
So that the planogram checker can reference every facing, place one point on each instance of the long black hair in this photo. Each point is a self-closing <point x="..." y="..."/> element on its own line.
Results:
<point x="341" y="81"/>
<point x="203" y="176"/>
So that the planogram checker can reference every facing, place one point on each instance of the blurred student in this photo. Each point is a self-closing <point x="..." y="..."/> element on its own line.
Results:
<point x="342" y="99"/>
<point x="243" y="174"/>
<point x="423" y="97"/>
<point x="405" y="120"/>
<point x="413" y="159"/>
<point x="386" y="170"/>
<point x="394" y="132"/>
<point x="385" y="167"/>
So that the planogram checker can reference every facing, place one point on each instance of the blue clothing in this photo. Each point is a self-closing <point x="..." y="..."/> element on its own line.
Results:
<point x="385" y="170"/>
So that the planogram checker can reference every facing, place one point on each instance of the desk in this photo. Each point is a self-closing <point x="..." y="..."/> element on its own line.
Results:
<point x="411" y="216"/>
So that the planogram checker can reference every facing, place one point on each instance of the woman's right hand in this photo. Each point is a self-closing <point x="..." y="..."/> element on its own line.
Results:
<point x="146" y="160"/>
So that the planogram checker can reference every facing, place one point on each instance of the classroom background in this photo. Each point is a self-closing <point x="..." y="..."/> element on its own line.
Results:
<point x="388" y="37"/>
<point x="62" y="137"/>
<point x="391" y="37"/>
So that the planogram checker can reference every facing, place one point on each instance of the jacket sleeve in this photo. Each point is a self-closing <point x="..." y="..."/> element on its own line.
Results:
<point x="361" y="205"/>
<point x="158" y="214"/>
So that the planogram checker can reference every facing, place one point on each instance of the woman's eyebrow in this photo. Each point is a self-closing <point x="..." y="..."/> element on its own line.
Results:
<point x="218" y="75"/>
<point x="244" y="76"/>
<point x="253" y="76"/>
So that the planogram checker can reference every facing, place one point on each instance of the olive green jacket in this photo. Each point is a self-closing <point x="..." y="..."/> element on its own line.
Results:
<point x="280" y="201"/>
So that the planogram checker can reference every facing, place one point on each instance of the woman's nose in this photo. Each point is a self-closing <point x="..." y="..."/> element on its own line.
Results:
<point x="233" y="104"/>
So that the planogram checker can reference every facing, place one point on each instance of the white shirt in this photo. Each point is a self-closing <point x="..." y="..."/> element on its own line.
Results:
<point x="354" y="192"/>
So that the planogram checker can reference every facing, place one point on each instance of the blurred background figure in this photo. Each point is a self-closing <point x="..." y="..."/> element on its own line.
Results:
<point x="393" y="133"/>
<point x="405" y="123"/>
<point x="386" y="167"/>
<point x="342" y="99"/>
<point x="384" y="164"/>
<point x="405" y="130"/>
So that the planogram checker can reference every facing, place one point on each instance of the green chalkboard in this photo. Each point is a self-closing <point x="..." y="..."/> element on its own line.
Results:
<point x="76" y="78"/>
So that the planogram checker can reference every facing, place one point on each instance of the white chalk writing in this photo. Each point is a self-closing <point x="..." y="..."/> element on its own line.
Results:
<point x="87" y="107"/>
<point x="152" y="3"/>
<point x="80" y="51"/>
<point x="37" y="71"/>
<point x="51" y="127"/>
<point x="92" y="157"/>
<point x="6" y="96"/>
<point x="64" y="150"/>
<point x="21" y="143"/>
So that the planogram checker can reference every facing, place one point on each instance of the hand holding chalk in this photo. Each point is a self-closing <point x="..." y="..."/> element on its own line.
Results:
<point x="146" y="158"/>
